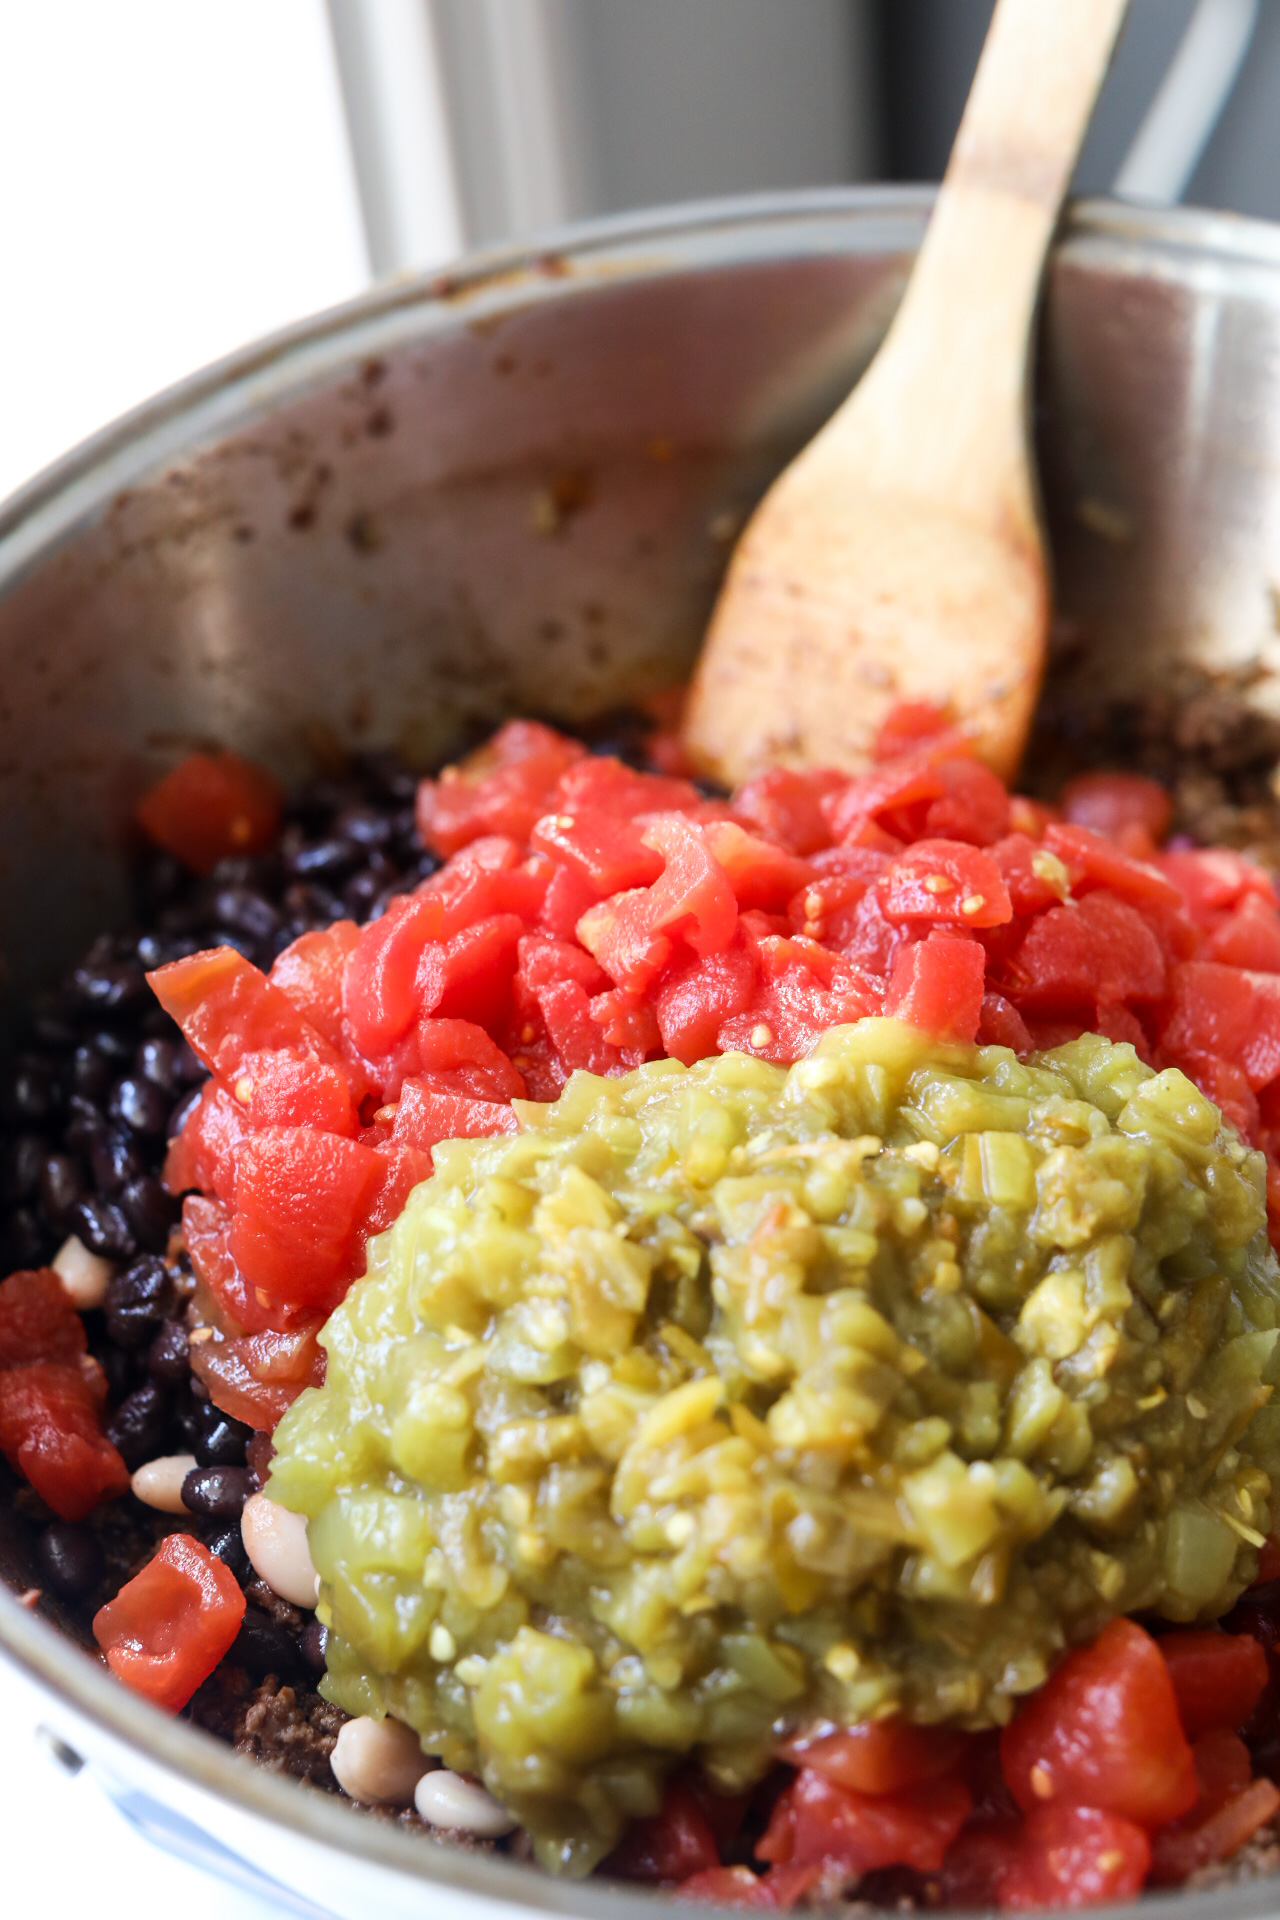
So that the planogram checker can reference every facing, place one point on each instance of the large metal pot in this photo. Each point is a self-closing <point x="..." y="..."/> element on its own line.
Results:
<point x="510" y="489"/>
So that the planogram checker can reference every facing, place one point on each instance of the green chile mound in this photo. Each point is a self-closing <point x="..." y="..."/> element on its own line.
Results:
<point x="726" y="1399"/>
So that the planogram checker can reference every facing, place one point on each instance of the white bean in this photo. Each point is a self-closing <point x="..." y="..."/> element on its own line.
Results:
<point x="378" y="1761"/>
<point x="84" y="1276"/>
<point x="445" y="1799"/>
<point x="159" y="1483"/>
<point x="276" y="1543"/>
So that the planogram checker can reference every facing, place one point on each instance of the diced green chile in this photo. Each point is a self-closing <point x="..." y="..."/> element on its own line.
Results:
<point x="730" y="1398"/>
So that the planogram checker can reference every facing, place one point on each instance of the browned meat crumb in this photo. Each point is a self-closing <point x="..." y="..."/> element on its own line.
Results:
<point x="259" y="1594"/>
<point x="1201" y="737"/>
<point x="288" y="1729"/>
<point x="1257" y="1859"/>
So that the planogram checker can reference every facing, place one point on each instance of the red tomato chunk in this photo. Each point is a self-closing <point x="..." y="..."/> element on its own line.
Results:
<point x="51" y="1432"/>
<point x="210" y="806"/>
<point x="168" y="1627"/>
<point x="1104" y="1732"/>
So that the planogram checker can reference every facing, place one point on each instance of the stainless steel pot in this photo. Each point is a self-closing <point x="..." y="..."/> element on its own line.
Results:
<point x="513" y="489"/>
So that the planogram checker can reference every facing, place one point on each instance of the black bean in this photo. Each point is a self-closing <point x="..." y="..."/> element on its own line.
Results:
<point x="389" y="780"/>
<point x="141" y="1105"/>
<point x="219" y="1492"/>
<point x="360" y="892"/>
<point x="387" y="895"/>
<point x="168" y="1356"/>
<point x="150" y="951"/>
<point x="25" y="1241"/>
<point x="102" y="1227"/>
<point x="121" y="1369"/>
<point x="363" y="826"/>
<point x="51" y="1024"/>
<point x="152" y="1212"/>
<point x="136" y="1428"/>
<point x="113" y="1046"/>
<point x="263" y="1646"/>
<point x="226" y="1544"/>
<point x="427" y="865"/>
<point x="138" y="1301"/>
<point x="181" y="1113"/>
<point x="23" y="1161"/>
<point x="220" y="1441"/>
<point x="158" y="1060"/>
<point x="32" y="1096"/>
<point x="312" y="904"/>
<point x="90" y="1073"/>
<point x="247" y="911"/>
<point x="110" y="985"/>
<point x="61" y="1185"/>
<point x="241" y="943"/>
<point x="70" y="1559"/>
<point x="114" y="1160"/>
<point x="314" y="1644"/>
<point x="321" y="859"/>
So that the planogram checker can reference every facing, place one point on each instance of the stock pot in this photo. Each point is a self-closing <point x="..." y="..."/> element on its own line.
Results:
<point x="513" y="488"/>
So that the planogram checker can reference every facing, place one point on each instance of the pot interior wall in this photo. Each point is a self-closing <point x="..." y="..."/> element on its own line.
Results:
<point x="517" y="493"/>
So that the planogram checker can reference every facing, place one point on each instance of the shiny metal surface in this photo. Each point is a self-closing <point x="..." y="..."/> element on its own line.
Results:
<point x="515" y="489"/>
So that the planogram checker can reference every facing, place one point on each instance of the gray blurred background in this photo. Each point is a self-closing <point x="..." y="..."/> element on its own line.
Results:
<point x="193" y="176"/>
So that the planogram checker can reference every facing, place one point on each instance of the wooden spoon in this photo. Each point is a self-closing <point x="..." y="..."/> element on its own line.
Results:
<point x="900" y="556"/>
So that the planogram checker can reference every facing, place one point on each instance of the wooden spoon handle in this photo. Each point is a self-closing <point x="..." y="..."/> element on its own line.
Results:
<point x="949" y="382"/>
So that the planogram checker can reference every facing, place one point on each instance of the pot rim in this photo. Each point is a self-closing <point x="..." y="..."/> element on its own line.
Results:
<point x="1182" y="244"/>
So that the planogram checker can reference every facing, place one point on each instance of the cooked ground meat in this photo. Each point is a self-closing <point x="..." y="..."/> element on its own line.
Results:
<point x="1201" y="737"/>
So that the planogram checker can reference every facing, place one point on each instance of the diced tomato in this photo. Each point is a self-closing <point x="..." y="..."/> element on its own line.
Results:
<point x="1032" y="888"/>
<point x="577" y="1038"/>
<point x="1110" y="803"/>
<point x="493" y="875"/>
<point x="608" y="785"/>
<point x="212" y="805"/>
<point x="1116" y="1023"/>
<point x="460" y="1056"/>
<point x="1073" y="957"/>
<point x="168" y="1627"/>
<point x="311" y="972"/>
<point x="817" y="1820"/>
<point x="944" y="883"/>
<point x="300" y="1197"/>
<point x="898" y="794"/>
<point x="1249" y="937"/>
<point x="1268" y="1562"/>
<point x="257" y="1377"/>
<point x="284" y="1089"/>
<point x="227" y="1009"/>
<point x="698" y="997"/>
<point x="428" y="1112"/>
<point x="1074" y="1857"/>
<point x="908" y="726"/>
<point x="605" y="851"/>
<point x="938" y="984"/>
<point x="621" y="936"/>
<point x="1001" y="1025"/>
<point x="693" y="898"/>
<point x="38" y="1321"/>
<point x="472" y="976"/>
<point x="1231" y="1807"/>
<point x="786" y="806"/>
<point x="206" y="1230"/>
<point x="203" y="1154"/>
<point x="1214" y="880"/>
<point x="974" y="806"/>
<point x="1104" y="1732"/>
<point x="627" y="1022"/>
<point x="1227" y="1012"/>
<point x="501" y="788"/>
<point x="51" y="1432"/>
<point x="1218" y="1678"/>
<point x="1095" y="862"/>
<point x="880" y="1756"/>
<point x="544" y="961"/>
<point x="380" y="994"/>
<point x="778" y="1889"/>
<point x="401" y="1168"/>
<point x="567" y="898"/>
<point x="669" y="1846"/>
<point x="760" y="874"/>
<point x="807" y="989"/>
<point x="978" y="1860"/>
